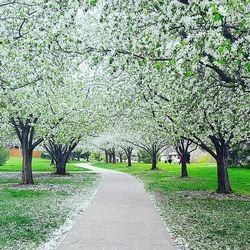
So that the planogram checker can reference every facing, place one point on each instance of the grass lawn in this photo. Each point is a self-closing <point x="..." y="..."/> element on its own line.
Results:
<point x="42" y="165"/>
<point x="29" y="214"/>
<point x="195" y="214"/>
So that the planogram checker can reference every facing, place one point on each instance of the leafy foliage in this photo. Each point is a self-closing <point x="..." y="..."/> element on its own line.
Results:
<point x="239" y="155"/>
<point x="144" y="156"/>
<point x="4" y="154"/>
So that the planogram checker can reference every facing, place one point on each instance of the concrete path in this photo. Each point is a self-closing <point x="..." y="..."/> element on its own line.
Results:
<point x="121" y="217"/>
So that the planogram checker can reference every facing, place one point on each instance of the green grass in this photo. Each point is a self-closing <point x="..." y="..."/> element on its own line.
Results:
<point x="200" y="218"/>
<point x="202" y="177"/>
<point x="14" y="164"/>
<point x="28" y="215"/>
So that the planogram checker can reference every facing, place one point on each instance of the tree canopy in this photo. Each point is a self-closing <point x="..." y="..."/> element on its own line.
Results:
<point x="132" y="74"/>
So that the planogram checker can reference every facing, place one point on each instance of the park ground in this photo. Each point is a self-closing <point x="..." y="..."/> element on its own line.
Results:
<point x="30" y="215"/>
<point x="194" y="213"/>
<point x="197" y="216"/>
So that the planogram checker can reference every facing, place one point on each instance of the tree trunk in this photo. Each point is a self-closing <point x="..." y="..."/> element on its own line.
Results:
<point x="113" y="158"/>
<point x="129" y="156"/>
<point x="154" y="161"/>
<point x="87" y="158"/>
<point x="106" y="156"/>
<point x="120" y="156"/>
<point x="110" y="157"/>
<point x="222" y="172"/>
<point x="27" y="177"/>
<point x="183" y="151"/>
<point x="52" y="162"/>
<point x="184" y="172"/>
<point x="25" y="134"/>
<point x="61" y="154"/>
<point x="61" y="168"/>
<point x="128" y="151"/>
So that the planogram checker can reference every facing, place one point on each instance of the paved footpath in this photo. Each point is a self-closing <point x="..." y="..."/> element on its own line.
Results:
<point x="121" y="217"/>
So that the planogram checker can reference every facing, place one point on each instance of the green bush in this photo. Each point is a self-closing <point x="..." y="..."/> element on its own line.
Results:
<point x="96" y="156"/>
<point x="206" y="158"/>
<point x="45" y="155"/>
<point x="144" y="156"/>
<point x="4" y="154"/>
<point x="239" y="155"/>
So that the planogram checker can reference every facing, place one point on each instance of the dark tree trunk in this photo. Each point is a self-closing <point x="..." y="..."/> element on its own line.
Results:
<point x="25" y="133"/>
<point x="154" y="161"/>
<point x="128" y="151"/>
<point x="52" y="162"/>
<point x="222" y="172"/>
<point x="183" y="151"/>
<point x="221" y="157"/>
<point x="110" y="157"/>
<point x="61" y="167"/>
<point x="87" y="158"/>
<point x="120" y="157"/>
<point x="113" y="155"/>
<point x="106" y="156"/>
<point x="129" y="156"/>
<point x="113" y="158"/>
<point x="184" y="172"/>
<point x="61" y="154"/>
<point x="27" y="177"/>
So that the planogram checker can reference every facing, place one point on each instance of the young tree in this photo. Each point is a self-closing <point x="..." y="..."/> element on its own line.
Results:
<point x="60" y="153"/>
<point x="86" y="155"/>
<point x="120" y="153"/>
<point x="128" y="151"/>
<point x="184" y="150"/>
<point x="154" y="148"/>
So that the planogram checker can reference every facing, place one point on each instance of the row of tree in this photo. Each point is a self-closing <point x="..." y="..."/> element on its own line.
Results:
<point x="161" y="73"/>
<point x="47" y="96"/>
<point x="181" y="66"/>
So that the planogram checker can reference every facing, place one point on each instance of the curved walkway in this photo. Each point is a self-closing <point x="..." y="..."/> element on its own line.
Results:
<point x="121" y="217"/>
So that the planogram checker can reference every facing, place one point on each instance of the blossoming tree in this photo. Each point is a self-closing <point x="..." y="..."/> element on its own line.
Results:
<point x="200" y="49"/>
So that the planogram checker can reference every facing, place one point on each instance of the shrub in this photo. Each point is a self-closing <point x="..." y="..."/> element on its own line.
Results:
<point x="145" y="157"/>
<point x="4" y="154"/>
<point x="239" y="155"/>
<point x="206" y="158"/>
<point x="96" y="156"/>
<point x="45" y="155"/>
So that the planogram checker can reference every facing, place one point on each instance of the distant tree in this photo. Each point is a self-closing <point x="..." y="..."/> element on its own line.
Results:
<point x="184" y="149"/>
<point x="96" y="156"/>
<point x="77" y="154"/>
<point x="128" y="151"/>
<point x="60" y="153"/>
<point x="86" y="155"/>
